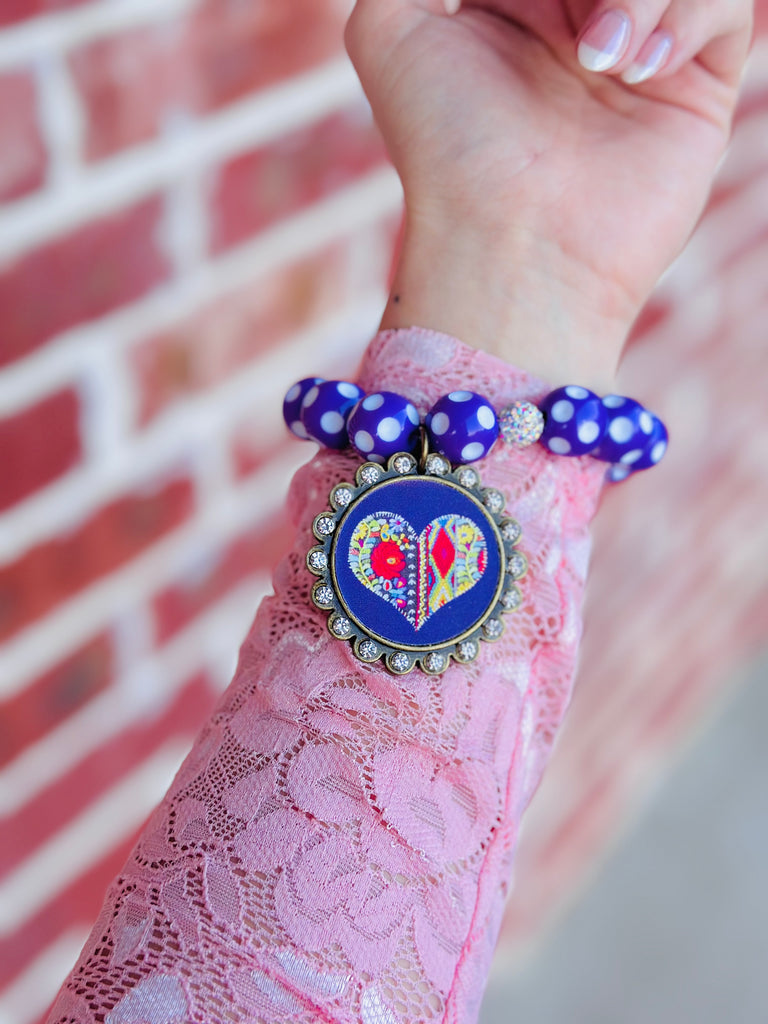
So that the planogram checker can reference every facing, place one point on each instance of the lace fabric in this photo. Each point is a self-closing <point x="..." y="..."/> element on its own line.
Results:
<point x="338" y="844"/>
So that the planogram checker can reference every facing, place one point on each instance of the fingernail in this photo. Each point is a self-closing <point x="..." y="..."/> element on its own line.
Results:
<point x="651" y="58"/>
<point x="452" y="6"/>
<point x="605" y="41"/>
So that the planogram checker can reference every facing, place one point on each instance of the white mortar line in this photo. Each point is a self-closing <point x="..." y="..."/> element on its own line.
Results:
<point x="83" y="842"/>
<point x="112" y="184"/>
<point x="141" y="694"/>
<point x="30" y="994"/>
<point x="357" y="207"/>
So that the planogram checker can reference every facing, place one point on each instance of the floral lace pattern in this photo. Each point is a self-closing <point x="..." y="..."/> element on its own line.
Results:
<point x="337" y="846"/>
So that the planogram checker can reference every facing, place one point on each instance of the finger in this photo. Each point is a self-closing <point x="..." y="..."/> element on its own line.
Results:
<point x="375" y="24"/>
<point x="612" y="36"/>
<point x="715" y="33"/>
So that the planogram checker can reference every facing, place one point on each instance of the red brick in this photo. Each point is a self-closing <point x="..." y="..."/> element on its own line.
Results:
<point x="23" y="157"/>
<point x="209" y="347"/>
<point x="261" y="187"/>
<point x="19" y="10"/>
<point x="257" y="552"/>
<point x="39" y="445"/>
<point x="79" y="277"/>
<point x="133" y="85"/>
<point x="52" y="572"/>
<point x="52" y="698"/>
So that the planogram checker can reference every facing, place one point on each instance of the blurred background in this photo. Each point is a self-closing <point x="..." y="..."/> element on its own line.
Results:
<point x="193" y="204"/>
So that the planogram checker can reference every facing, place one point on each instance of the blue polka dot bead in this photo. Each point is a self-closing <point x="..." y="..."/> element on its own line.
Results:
<point x="462" y="426"/>
<point x="576" y="421"/>
<point x="629" y="430"/>
<point x="383" y="424"/>
<point x="292" y="406"/>
<point x="324" y="411"/>
<point x="654" y="451"/>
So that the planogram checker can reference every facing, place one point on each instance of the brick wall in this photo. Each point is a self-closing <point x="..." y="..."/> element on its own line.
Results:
<point x="193" y="202"/>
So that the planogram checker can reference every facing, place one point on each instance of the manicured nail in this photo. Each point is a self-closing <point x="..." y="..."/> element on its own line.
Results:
<point x="651" y="58"/>
<point x="452" y="6"/>
<point x="605" y="41"/>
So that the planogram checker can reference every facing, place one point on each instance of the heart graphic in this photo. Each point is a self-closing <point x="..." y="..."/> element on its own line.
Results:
<point x="417" y="573"/>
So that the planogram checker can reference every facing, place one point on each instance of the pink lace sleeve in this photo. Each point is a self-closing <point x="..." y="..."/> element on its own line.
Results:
<point x="338" y="844"/>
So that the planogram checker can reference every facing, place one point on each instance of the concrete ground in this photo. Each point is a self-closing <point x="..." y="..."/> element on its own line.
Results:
<point x="675" y="928"/>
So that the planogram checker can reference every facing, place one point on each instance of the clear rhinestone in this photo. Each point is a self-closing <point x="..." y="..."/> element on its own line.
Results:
<point x="521" y="424"/>
<point x="325" y="525"/>
<point x="434" y="662"/>
<point x="511" y="531"/>
<point x="399" y="662"/>
<point x="517" y="565"/>
<point x="512" y="599"/>
<point x="404" y="464"/>
<point x="342" y="496"/>
<point x="493" y="501"/>
<point x="318" y="560"/>
<point x="467" y="650"/>
<point x="493" y="629"/>
<point x="324" y="597"/>
<point x="368" y="650"/>
<point x="468" y="477"/>
<point x="340" y="626"/>
<point x="436" y="465"/>
<point x="369" y="473"/>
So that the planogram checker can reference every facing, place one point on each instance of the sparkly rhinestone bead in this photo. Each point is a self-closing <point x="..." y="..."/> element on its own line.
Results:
<point x="383" y="424"/>
<point x="435" y="662"/>
<point x="399" y="662"/>
<point x="512" y="599"/>
<point x="511" y="531"/>
<point x="341" y="497"/>
<point x="340" y="626"/>
<point x="467" y="650"/>
<point x="436" y="465"/>
<point x="493" y="501"/>
<point x="493" y="629"/>
<point x="368" y="474"/>
<point x="325" y="525"/>
<point x="629" y="431"/>
<point x="325" y="409"/>
<point x="404" y="464"/>
<point x="575" y="421"/>
<point x="368" y="650"/>
<point x="521" y="424"/>
<point x="324" y="597"/>
<point x="318" y="561"/>
<point x="517" y="565"/>
<point x="467" y="477"/>
<point x="292" y="405"/>
<point x="462" y="426"/>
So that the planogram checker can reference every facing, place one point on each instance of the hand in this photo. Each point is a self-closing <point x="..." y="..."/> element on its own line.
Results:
<point x="552" y="194"/>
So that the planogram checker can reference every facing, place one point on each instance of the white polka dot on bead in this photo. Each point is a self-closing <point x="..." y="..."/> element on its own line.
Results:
<point x="348" y="390"/>
<point x="659" y="451"/>
<point x="460" y="396"/>
<point x="332" y="422"/>
<point x="310" y="398"/>
<point x="646" y="422"/>
<point x="388" y="429"/>
<point x="613" y="401"/>
<point x="363" y="441"/>
<point x="621" y="429"/>
<point x="618" y="473"/>
<point x="293" y="394"/>
<point x="373" y="402"/>
<point x="440" y="424"/>
<point x="486" y="417"/>
<point x="299" y="430"/>
<point x="412" y="413"/>
<point x="631" y="457"/>
<point x="562" y="411"/>
<point x="559" y="445"/>
<point x="588" y="432"/>
<point x="377" y="458"/>
<point x="472" y="451"/>
<point x="576" y="392"/>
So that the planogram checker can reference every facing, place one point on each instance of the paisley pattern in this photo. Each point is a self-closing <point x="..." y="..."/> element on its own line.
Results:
<point x="418" y="574"/>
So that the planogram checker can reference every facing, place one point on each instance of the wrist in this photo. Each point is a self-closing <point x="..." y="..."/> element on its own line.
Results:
<point x="515" y="297"/>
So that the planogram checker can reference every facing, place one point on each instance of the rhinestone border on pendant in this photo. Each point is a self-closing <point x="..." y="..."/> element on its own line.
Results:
<point x="463" y="644"/>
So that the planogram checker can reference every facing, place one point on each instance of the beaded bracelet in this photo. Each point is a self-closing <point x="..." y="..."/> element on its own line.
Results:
<point x="416" y="561"/>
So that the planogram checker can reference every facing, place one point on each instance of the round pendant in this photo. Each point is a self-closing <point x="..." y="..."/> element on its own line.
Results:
<point x="416" y="567"/>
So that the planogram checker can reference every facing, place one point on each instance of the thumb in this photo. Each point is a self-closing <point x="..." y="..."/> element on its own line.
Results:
<point x="383" y="19"/>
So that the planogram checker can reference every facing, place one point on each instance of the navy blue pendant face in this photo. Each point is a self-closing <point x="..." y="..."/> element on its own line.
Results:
<point x="417" y="569"/>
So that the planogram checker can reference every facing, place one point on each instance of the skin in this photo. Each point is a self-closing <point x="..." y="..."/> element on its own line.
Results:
<point x="543" y="200"/>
